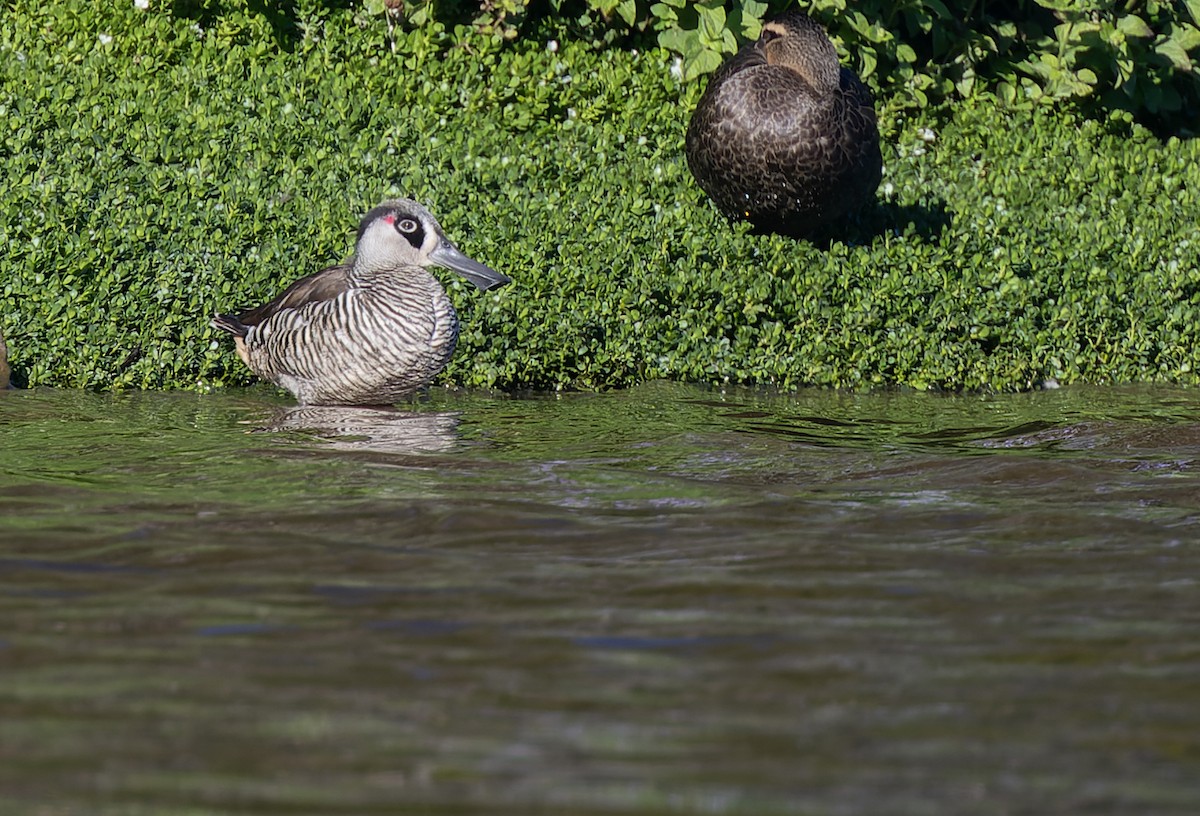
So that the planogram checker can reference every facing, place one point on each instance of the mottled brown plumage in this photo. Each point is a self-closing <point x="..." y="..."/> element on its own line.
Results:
<point x="784" y="137"/>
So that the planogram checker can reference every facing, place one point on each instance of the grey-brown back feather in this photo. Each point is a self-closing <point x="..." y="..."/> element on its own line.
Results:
<point x="319" y="286"/>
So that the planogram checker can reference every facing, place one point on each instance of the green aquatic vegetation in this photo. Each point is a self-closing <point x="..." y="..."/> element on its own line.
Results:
<point x="155" y="168"/>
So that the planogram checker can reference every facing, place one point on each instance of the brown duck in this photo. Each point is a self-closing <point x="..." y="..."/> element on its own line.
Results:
<point x="784" y="137"/>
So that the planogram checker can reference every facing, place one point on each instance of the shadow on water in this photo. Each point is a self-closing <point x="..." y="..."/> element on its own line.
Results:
<point x="663" y="600"/>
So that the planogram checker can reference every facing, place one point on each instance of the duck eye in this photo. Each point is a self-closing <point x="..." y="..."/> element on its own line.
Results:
<point x="406" y="225"/>
<point x="769" y="34"/>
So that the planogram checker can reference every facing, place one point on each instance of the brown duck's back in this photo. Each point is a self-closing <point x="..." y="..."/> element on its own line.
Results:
<point x="769" y="148"/>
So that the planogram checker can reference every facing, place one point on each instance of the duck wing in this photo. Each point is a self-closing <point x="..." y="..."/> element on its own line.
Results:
<point x="749" y="56"/>
<point x="320" y="286"/>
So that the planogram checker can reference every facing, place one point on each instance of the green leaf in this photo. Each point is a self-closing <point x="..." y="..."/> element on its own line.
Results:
<point x="1193" y="7"/>
<point x="745" y="24"/>
<point x="1174" y="51"/>
<point x="756" y="10"/>
<point x="704" y="62"/>
<point x="627" y="10"/>
<point x="1187" y="36"/>
<point x="677" y="40"/>
<point x="868" y="61"/>
<point x="712" y="20"/>
<point x="663" y="14"/>
<point x="1133" y="26"/>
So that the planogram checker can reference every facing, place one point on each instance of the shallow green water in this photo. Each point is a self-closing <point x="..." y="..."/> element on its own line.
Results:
<point x="666" y="600"/>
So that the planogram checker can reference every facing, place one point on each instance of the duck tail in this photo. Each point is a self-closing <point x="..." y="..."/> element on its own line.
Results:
<point x="230" y="324"/>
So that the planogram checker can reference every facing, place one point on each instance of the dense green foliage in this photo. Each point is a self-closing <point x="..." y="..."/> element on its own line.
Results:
<point x="156" y="167"/>
<point x="1134" y="55"/>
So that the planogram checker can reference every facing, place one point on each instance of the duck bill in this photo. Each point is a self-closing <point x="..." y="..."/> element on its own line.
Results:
<point x="449" y="256"/>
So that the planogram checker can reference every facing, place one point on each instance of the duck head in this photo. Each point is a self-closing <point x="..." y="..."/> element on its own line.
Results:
<point x="400" y="232"/>
<point x="796" y="41"/>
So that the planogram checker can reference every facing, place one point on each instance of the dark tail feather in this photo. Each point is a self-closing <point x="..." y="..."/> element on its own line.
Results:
<point x="230" y="324"/>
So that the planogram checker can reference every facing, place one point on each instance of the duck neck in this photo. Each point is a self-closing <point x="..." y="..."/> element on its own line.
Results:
<point x="368" y="266"/>
<point x="810" y="54"/>
<point x="823" y="75"/>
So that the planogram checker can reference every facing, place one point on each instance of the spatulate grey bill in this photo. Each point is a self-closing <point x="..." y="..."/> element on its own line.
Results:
<point x="783" y="136"/>
<point x="370" y="331"/>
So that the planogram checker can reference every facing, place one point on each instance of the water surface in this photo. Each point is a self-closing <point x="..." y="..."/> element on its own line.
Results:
<point x="664" y="600"/>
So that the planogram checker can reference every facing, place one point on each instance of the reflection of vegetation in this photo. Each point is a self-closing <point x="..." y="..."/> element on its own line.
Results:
<point x="156" y="167"/>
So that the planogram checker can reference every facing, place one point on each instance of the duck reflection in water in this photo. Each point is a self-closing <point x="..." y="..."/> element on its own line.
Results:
<point x="381" y="430"/>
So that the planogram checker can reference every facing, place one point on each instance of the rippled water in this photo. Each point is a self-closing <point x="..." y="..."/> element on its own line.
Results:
<point x="666" y="600"/>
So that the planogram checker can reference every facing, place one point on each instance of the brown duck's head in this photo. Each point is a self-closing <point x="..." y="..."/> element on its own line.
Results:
<point x="796" y="41"/>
